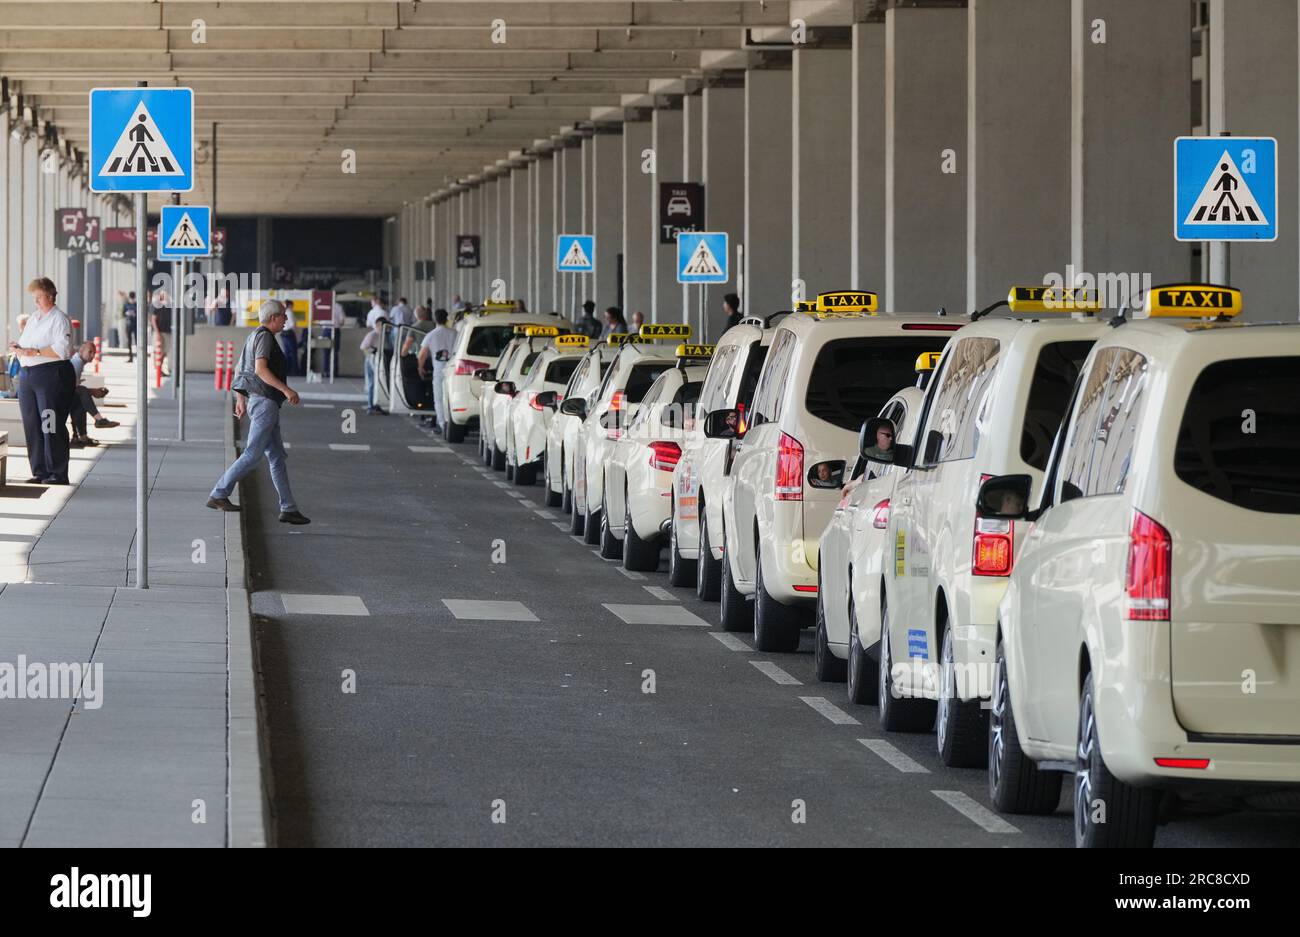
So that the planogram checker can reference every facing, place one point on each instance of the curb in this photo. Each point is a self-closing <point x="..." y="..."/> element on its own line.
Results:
<point x="248" y="806"/>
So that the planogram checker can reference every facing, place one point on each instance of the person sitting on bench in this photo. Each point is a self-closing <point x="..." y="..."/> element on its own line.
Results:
<point x="84" y="402"/>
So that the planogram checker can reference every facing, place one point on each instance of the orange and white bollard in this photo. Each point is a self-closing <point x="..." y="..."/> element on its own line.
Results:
<point x="157" y="360"/>
<point x="99" y="352"/>
<point x="230" y="364"/>
<point x="219" y="367"/>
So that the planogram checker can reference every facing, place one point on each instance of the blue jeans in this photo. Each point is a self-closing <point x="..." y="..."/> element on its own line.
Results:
<point x="263" y="439"/>
<point x="370" y="380"/>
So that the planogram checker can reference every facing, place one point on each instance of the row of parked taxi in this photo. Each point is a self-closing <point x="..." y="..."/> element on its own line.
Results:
<point x="1066" y="542"/>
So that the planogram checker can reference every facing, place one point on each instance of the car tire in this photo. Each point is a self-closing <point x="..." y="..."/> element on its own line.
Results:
<point x="681" y="571"/>
<point x="827" y="667"/>
<point x="776" y="626"/>
<point x="1016" y="784"/>
<point x="638" y="555"/>
<point x="961" y="726"/>
<point x="898" y="713"/>
<point x="863" y="673"/>
<point x="577" y="520"/>
<point x="526" y="476"/>
<point x="1131" y="813"/>
<point x="708" y="571"/>
<point x="454" y="432"/>
<point x="510" y="470"/>
<point x="734" y="613"/>
<point x="485" y="450"/>
<point x="610" y="546"/>
<point x="553" y="498"/>
<point x="498" y="458"/>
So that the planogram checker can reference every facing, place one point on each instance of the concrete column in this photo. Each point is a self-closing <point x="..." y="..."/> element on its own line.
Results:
<point x="820" y="171"/>
<point x="1256" y="42"/>
<point x="462" y="274"/>
<point x="722" y="172"/>
<point x="607" y="215"/>
<point x="665" y="291"/>
<point x="491" y="257"/>
<point x="925" y="124"/>
<point x="587" y="281"/>
<point x="569" y="221"/>
<point x="693" y="140"/>
<point x="768" y="162"/>
<point x="544" y="234"/>
<point x="518" y="273"/>
<point x="866" y="166"/>
<point x="638" y="223"/>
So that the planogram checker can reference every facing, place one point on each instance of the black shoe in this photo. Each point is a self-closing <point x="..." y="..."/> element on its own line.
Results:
<point x="293" y="517"/>
<point x="103" y="423"/>
<point x="87" y="441"/>
<point x="222" y="504"/>
<point x="36" y="479"/>
<point x="76" y="442"/>
<point x="56" y="481"/>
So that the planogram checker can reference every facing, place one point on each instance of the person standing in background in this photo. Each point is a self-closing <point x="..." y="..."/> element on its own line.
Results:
<point x="588" y="325"/>
<point x="47" y="383"/>
<point x="221" y="312"/>
<point x="160" y="316"/>
<point x="731" y="307"/>
<point x="400" y="314"/>
<point x="435" y="351"/>
<point x="614" y="322"/>
<point x="129" y="315"/>
<point x="638" y="320"/>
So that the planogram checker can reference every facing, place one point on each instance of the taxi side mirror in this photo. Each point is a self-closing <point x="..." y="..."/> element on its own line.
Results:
<point x="575" y="406"/>
<point x="877" y="442"/>
<point x="485" y="374"/>
<point x="548" y="398"/>
<point x="827" y="474"/>
<point x="724" y="424"/>
<point x="505" y="387"/>
<point x="1005" y="497"/>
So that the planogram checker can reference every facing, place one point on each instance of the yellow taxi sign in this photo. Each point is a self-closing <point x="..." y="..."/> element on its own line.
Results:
<point x="665" y="330"/>
<point x="927" y="360"/>
<point x="1197" y="300"/>
<point x="572" y="341"/>
<point x="521" y="329"/>
<point x="847" y="301"/>
<point x="541" y="331"/>
<point x="501" y="306"/>
<point x="623" y="338"/>
<point x="805" y="305"/>
<point x="687" y="350"/>
<point x="1052" y="299"/>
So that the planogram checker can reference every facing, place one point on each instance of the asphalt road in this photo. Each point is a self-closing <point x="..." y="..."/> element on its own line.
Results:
<point x="490" y="731"/>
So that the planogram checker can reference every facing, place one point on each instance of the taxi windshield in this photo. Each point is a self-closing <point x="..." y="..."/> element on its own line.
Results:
<point x="489" y="340"/>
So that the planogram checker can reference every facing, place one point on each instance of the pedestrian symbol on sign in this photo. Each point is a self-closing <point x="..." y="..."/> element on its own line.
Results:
<point x="184" y="237"/>
<point x="141" y="149"/>
<point x="575" y="253"/>
<point x="1225" y="189"/>
<point x="702" y="262"/>
<point x="1226" y="199"/>
<point x="702" y="257"/>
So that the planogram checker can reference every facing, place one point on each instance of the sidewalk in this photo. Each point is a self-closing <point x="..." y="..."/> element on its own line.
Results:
<point x="143" y="757"/>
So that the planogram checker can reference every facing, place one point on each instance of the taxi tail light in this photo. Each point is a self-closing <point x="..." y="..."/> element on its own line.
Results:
<point x="993" y="541"/>
<point x="467" y="366"/>
<point x="664" y="455"/>
<point x="880" y="515"/>
<point x="1147" y="578"/>
<point x="615" y="415"/>
<point x="532" y="402"/>
<point x="789" y="469"/>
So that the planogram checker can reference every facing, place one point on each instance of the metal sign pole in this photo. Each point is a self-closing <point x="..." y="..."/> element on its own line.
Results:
<point x="142" y="397"/>
<point x="178" y="364"/>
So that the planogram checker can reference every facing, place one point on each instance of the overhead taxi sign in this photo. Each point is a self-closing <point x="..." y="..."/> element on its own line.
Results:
<point x="1225" y="189"/>
<point x="565" y="342"/>
<point x="1052" y="299"/>
<point x="702" y="257"/>
<point x="185" y="231"/>
<point x="694" y="351"/>
<point x="665" y="330"/>
<point x="1195" y="300"/>
<point x="141" y="140"/>
<point x="575" y="253"/>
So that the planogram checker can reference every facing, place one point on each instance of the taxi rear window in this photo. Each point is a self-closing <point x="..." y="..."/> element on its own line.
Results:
<point x="1058" y="367"/>
<point x="489" y="340"/>
<point x="639" y="381"/>
<point x="1240" y="436"/>
<point x="559" y="372"/>
<point x="852" y="378"/>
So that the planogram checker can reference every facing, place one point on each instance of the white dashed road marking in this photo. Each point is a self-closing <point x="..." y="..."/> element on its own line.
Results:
<point x="730" y="641"/>
<point x="979" y="815"/>
<point x="775" y="672"/>
<point x="894" y="757"/>
<point x="488" y="610"/>
<point x="350" y="446"/>
<point x="429" y="448"/>
<point x="501" y="484"/>
<point x="560" y="525"/>
<point x="516" y="495"/>
<point x="656" y="615"/>
<point x="546" y="515"/>
<point x="660" y="593"/>
<point x="308" y="604"/>
<point x="830" y="711"/>
<point x="320" y="406"/>
<point x="629" y="573"/>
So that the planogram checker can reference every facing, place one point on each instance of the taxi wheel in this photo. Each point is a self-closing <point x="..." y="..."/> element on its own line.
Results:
<point x="681" y="571"/>
<point x="828" y="667"/>
<point x="776" y="626"/>
<point x="1108" y="813"/>
<point x="862" y="672"/>
<point x="1016" y="785"/>
<point x="610" y="547"/>
<point x="961" y="726"/>
<point x="510" y="469"/>
<point x="455" y="432"/>
<point x="553" y="497"/>
<point x="734" y="612"/>
<point x="498" y="457"/>
<point x="485" y="450"/>
<point x="898" y="713"/>
<point x="638" y="555"/>
<point x="708" y="571"/>
<point x="590" y="523"/>
<point x="577" y="522"/>
<point x="526" y="475"/>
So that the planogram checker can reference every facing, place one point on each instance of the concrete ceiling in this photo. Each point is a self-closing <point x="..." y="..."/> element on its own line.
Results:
<point x="419" y="90"/>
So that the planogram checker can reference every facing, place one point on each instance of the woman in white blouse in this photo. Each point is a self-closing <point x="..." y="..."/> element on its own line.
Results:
<point x="47" y="384"/>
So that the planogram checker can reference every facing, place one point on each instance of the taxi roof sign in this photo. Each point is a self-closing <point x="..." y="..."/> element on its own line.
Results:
<point x="687" y="350"/>
<point x="505" y="305"/>
<point x="1194" y="300"/>
<point x="572" y="341"/>
<point x="665" y="330"/>
<point x="541" y="331"/>
<point x="847" y="301"/>
<point x="1052" y="299"/>
<point x="619" y="339"/>
<point x="927" y="360"/>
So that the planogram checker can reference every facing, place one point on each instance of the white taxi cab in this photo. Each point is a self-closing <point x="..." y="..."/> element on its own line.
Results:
<point x="564" y="430"/>
<point x="1149" y="640"/>
<point x="993" y="408"/>
<point x="481" y="337"/>
<point x="527" y="416"/>
<point x="855" y="531"/>
<point x="639" y="472"/>
<point x="606" y="413"/>
<point x="700" y="478"/>
<point x="831" y="365"/>
<point x="490" y="401"/>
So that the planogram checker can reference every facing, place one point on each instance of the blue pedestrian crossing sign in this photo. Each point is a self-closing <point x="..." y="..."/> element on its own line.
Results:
<point x="1225" y="189"/>
<point x="141" y="140"/>
<point x="575" y="253"/>
<point x="702" y="257"/>
<point x="184" y="231"/>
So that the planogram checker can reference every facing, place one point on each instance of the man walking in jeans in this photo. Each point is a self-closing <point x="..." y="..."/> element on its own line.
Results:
<point x="260" y="388"/>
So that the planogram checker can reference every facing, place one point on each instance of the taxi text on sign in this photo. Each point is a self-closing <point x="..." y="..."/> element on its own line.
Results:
<point x="1225" y="189"/>
<point x="141" y="140"/>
